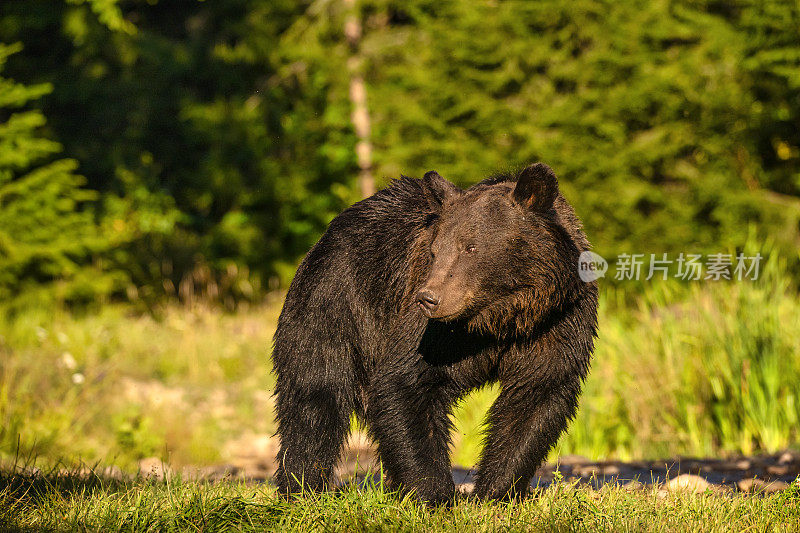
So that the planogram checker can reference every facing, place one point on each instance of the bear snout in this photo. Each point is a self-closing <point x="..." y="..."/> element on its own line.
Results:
<point x="428" y="301"/>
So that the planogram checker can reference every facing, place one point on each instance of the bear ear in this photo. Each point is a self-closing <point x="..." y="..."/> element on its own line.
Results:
<point x="537" y="187"/>
<point x="437" y="189"/>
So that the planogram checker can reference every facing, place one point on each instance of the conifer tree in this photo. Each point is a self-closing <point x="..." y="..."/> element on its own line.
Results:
<point x="46" y="232"/>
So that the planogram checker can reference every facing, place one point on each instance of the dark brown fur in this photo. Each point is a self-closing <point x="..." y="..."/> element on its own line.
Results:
<point x="375" y="324"/>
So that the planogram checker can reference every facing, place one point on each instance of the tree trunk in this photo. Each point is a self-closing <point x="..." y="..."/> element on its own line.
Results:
<point x="358" y="99"/>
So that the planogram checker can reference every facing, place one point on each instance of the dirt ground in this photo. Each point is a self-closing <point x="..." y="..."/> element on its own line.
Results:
<point x="253" y="460"/>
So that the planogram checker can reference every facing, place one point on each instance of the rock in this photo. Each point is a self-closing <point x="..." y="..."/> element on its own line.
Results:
<point x="465" y="488"/>
<point x="596" y="470"/>
<point x="221" y="472"/>
<point x="153" y="468"/>
<point x="586" y="471"/>
<point x="32" y="471"/>
<point x="253" y="454"/>
<point x="359" y="457"/>
<point x="789" y="457"/>
<point x="550" y="473"/>
<point x="778" y="470"/>
<point x="744" y="464"/>
<point x="85" y="472"/>
<point x="111" y="472"/>
<point x="688" y="483"/>
<point x="759" y="485"/>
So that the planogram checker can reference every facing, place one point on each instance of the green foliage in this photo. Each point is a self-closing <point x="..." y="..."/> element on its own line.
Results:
<point x="109" y="13"/>
<point x="706" y="370"/>
<point x="47" y="233"/>
<point x="663" y="119"/>
<point x="218" y="138"/>
<point x="219" y="142"/>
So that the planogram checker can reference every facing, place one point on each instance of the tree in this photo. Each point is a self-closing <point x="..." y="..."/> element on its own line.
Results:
<point x="671" y="124"/>
<point x="216" y="133"/>
<point x="47" y="230"/>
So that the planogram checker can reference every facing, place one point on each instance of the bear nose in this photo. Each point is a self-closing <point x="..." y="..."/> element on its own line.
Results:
<point x="428" y="300"/>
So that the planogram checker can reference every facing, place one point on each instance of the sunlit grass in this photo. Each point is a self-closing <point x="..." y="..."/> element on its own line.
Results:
<point x="177" y="386"/>
<point x="43" y="503"/>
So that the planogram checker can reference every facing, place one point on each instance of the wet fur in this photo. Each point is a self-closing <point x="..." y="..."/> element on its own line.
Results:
<point x="351" y="339"/>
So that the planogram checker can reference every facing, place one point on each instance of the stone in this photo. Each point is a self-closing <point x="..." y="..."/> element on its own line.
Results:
<point x="633" y="485"/>
<point x="789" y="457"/>
<point x="688" y="483"/>
<point x="465" y="488"/>
<point x="588" y="471"/>
<point x="778" y="470"/>
<point x="759" y="485"/>
<point x="572" y="460"/>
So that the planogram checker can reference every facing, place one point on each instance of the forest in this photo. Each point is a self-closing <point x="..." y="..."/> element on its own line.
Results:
<point x="155" y="151"/>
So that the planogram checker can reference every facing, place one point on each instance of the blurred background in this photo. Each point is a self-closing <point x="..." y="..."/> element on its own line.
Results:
<point x="165" y="165"/>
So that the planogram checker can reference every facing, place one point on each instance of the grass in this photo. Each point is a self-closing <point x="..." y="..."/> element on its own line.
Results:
<point x="701" y="369"/>
<point x="116" y="387"/>
<point x="70" y="502"/>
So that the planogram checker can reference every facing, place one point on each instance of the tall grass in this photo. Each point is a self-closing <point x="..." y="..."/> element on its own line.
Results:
<point x="691" y="369"/>
<point x="709" y="369"/>
<point x="116" y="386"/>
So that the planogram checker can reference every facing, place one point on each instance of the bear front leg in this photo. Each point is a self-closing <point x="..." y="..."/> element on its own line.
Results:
<point x="409" y="420"/>
<point x="523" y="425"/>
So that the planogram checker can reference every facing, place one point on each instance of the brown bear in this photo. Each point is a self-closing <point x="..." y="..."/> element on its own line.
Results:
<point x="416" y="296"/>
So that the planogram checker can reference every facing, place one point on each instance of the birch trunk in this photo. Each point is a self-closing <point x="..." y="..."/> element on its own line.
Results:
<point x="358" y="100"/>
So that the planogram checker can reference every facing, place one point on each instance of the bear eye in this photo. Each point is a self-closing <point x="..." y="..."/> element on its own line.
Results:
<point x="470" y="249"/>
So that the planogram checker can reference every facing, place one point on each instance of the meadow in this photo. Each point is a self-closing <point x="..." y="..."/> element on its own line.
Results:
<point x="693" y="369"/>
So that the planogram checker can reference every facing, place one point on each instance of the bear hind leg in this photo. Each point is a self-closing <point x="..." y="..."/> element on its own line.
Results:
<point x="313" y="424"/>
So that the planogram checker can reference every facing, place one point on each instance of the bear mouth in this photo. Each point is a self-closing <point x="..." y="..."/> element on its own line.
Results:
<point x="441" y="318"/>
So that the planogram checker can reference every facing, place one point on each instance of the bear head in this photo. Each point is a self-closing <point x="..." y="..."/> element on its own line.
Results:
<point x="499" y="255"/>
